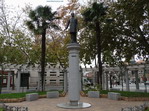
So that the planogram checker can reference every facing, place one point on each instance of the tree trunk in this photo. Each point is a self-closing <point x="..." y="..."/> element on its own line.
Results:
<point x="98" y="37"/>
<point x="43" y="47"/>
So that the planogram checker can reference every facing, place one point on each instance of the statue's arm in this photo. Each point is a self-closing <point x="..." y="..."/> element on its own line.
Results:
<point x="67" y="24"/>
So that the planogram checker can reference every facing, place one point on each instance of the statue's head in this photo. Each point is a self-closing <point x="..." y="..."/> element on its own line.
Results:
<point x="72" y="14"/>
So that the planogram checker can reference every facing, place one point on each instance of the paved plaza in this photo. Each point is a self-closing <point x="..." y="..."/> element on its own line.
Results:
<point x="98" y="104"/>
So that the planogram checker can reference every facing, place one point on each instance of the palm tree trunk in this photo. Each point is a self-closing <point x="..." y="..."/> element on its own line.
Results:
<point x="98" y="37"/>
<point x="43" y="47"/>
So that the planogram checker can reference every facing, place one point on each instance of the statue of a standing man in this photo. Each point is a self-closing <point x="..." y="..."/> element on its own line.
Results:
<point x="73" y="22"/>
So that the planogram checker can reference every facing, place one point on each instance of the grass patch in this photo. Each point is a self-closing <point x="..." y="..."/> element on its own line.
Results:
<point x="128" y="94"/>
<point x="147" y="109"/>
<point x="1" y="109"/>
<point x="125" y="93"/>
<point x="20" y="95"/>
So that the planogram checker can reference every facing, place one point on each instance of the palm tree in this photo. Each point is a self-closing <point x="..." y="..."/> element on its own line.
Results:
<point x="41" y="19"/>
<point x="93" y="16"/>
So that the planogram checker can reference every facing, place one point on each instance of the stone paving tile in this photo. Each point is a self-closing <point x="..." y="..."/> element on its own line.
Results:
<point x="98" y="104"/>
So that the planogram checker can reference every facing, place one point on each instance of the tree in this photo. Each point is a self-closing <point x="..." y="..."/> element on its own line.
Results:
<point x="131" y="28"/>
<point x="41" y="19"/>
<point x="11" y="50"/>
<point x="93" y="16"/>
<point x="57" y="47"/>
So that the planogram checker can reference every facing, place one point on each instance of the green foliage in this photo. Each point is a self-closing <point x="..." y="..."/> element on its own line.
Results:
<point x="123" y="93"/>
<point x="94" y="13"/>
<point x="129" y="28"/>
<point x="94" y="17"/>
<point x="147" y="109"/>
<point x="95" y="87"/>
<point x="57" y="51"/>
<point x="124" y="31"/>
<point x="21" y="95"/>
<point x="40" y="19"/>
<point x="1" y="109"/>
<point x="128" y="94"/>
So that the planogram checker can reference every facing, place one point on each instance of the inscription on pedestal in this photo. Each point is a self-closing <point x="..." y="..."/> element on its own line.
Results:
<point x="73" y="56"/>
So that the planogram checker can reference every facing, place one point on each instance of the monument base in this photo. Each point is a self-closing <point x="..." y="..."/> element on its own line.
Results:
<point x="69" y="105"/>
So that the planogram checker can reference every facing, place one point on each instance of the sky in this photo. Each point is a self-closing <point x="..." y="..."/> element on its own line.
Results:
<point x="35" y="3"/>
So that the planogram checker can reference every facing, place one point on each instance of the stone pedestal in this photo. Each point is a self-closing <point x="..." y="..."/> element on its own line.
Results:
<point x="73" y="76"/>
<point x="74" y="80"/>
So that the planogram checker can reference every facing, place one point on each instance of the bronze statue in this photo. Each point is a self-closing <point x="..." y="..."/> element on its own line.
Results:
<point x="73" y="22"/>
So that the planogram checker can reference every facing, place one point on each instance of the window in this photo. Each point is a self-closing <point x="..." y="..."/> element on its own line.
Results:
<point x="52" y="80"/>
<point x="61" y="73"/>
<point x="52" y="73"/>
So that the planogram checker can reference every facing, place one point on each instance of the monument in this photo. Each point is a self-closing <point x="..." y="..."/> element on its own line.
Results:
<point x="73" y="76"/>
<point x="73" y="23"/>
